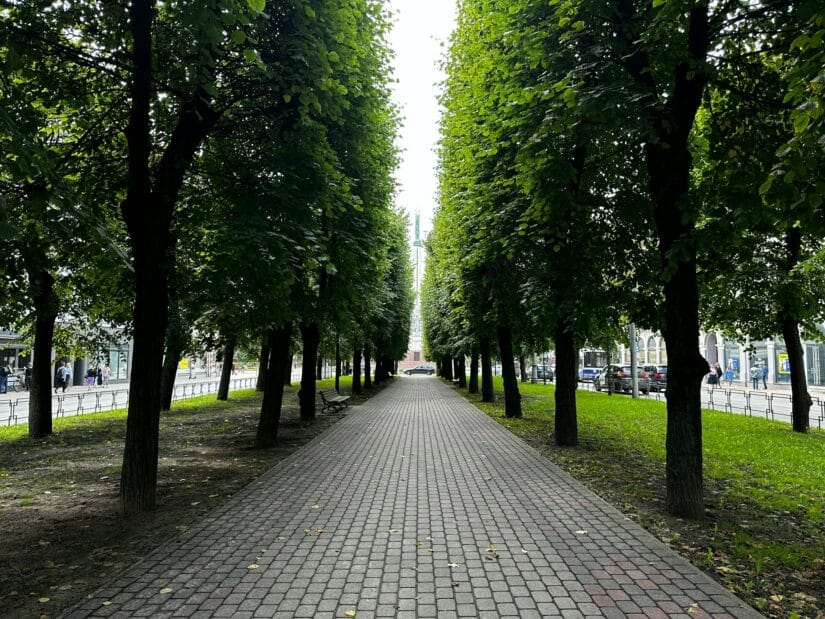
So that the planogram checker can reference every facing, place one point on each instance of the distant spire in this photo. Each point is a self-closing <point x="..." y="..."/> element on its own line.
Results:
<point x="417" y="241"/>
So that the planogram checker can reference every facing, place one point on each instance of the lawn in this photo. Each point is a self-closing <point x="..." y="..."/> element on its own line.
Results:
<point x="764" y="534"/>
<point x="63" y="535"/>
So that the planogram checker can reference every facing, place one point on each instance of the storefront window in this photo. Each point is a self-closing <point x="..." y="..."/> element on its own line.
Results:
<point x="732" y="357"/>
<point x="783" y="369"/>
<point x="816" y="363"/>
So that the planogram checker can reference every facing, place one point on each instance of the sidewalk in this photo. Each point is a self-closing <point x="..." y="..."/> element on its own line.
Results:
<point x="415" y="505"/>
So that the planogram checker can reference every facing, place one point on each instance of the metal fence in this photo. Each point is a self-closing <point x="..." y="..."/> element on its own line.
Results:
<point x="15" y="411"/>
<point x="764" y="404"/>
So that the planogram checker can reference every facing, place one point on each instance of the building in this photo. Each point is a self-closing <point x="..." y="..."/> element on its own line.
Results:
<point x="714" y="346"/>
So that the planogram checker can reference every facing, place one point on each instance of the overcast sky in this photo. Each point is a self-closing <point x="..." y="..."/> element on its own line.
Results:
<point x="419" y="38"/>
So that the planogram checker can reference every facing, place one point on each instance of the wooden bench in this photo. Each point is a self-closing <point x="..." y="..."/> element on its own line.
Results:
<point x="333" y="400"/>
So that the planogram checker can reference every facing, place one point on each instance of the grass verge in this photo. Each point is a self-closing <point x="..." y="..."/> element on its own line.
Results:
<point x="63" y="534"/>
<point x="764" y="534"/>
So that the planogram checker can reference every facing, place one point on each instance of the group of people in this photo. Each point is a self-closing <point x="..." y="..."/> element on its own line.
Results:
<point x="95" y="376"/>
<point x="6" y="372"/>
<point x="716" y="376"/>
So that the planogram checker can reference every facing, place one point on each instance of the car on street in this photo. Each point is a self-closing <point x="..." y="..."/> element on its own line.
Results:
<point x="545" y="372"/>
<point x="420" y="369"/>
<point x="620" y="376"/>
<point x="587" y="375"/>
<point x="658" y="377"/>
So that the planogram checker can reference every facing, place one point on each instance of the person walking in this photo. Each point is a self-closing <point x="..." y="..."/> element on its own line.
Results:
<point x="765" y="376"/>
<point x="27" y="376"/>
<point x="105" y="372"/>
<point x="713" y="379"/>
<point x="755" y="373"/>
<point x="719" y="374"/>
<point x="5" y="372"/>
<point x="729" y="373"/>
<point x="91" y="378"/>
<point x="64" y="377"/>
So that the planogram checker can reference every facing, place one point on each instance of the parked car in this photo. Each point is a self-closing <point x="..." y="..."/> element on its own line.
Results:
<point x="545" y="372"/>
<point x="658" y="377"/>
<point x="621" y="378"/>
<point x="420" y="369"/>
<point x="587" y="375"/>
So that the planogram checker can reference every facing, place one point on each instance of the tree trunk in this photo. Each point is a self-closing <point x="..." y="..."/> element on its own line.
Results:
<point x="148" y="211"/>
<point x="337" y="364"/>
<point x="175" y="343"/>
<point x="367" y="369"/>
<point x="566" y="423"/>
<point x="487" y="393"/>
<point x="263" y="363"/>
<point x="41" y="287"/>
<point x="378" y="374"/>
<point x="319" y="368"/>
<point x="800" y="398"/>
<point x="356" y="371"/>
<point x="462" y="372"/>
<point x="473" y="387"/>
<point x="512" y="397"/>
<point x="226" y="370"/>
<point x="311" y="339"/>
<point x="290" y="359"/>
<point x="279" y="340"/>
<point x="522" y="366"/>
<point x="668" y="161"/>
<point x="447" y="364"/>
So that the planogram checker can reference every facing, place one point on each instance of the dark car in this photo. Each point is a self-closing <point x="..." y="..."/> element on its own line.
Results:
<point x="420" y="369"/>
<point x="658" y="377"/>
<point x="544" y="372"/>
<point x="621" y="378"/>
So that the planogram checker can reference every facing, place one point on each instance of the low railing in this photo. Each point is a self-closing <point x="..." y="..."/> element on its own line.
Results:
<point x="765" y="404"/>
<point x="15" y="411"/>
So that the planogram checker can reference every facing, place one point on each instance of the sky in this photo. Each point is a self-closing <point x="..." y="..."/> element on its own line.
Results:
<point x="419" y="39"/>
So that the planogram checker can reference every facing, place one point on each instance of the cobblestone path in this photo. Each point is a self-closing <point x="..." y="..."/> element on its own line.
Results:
<point x="415" y="505"/>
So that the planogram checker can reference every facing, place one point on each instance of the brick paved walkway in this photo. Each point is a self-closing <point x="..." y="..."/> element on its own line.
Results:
<point x="415" y="505"/>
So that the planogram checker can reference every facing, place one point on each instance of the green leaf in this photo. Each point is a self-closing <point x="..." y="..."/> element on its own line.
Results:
<point x="257" y="5"/>
<point x="238" y="36"/>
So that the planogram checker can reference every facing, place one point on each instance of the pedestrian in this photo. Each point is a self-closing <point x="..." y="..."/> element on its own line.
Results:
<point x="755" y="373"/>
<point x="105" y="372"/>
<point x="91" y="377"/>
<point x="27" y="376"/>
<point x="765" y="376"/>
<point x="64" y="377"/>
<point x="719" y="374"/>
<point x="729" y="373"/>
<point x="5" y="372"/>
<point x="713" y="379"/>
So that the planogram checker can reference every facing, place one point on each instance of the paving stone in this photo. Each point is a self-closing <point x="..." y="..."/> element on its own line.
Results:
<point x="412" y="488"/>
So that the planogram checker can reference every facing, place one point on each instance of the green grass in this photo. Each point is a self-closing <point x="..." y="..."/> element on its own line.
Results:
<point x="762" y="461"/>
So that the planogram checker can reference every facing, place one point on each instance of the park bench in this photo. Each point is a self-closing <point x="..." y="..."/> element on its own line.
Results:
<point x="333" y="400"/>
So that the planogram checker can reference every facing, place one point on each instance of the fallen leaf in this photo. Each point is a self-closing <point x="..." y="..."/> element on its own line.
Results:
<point x="524" y="551"/>
<point x="453" y="565"/>
<point x="581" y="532"/>
<point x="107" y="603"/>
<point x="693" y="608"/>
<point x="193" y="503"/>
<point x="252" y="566"/>
<point x="491" y="548"/>
<point x="316" y="507"/>
<point x="349" y="613"/>
<point x="166" y="590"/>
<point x="42" y="600"/>
<point x="777" y="598"/>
